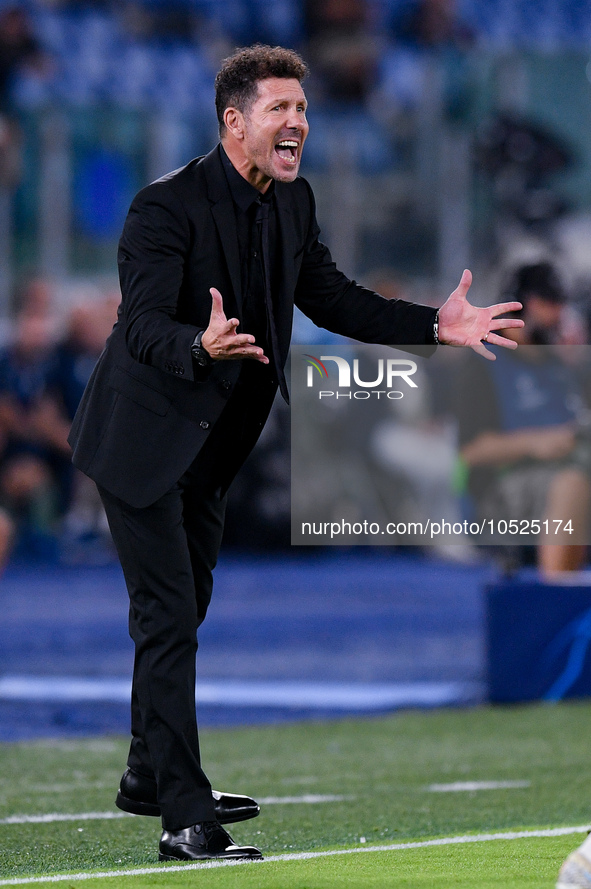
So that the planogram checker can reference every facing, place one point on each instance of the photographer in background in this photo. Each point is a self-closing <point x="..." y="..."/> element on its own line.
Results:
<point x="520" y="420"/>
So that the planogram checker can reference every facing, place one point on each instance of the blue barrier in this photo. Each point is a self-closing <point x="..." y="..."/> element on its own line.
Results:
<point x="538" y="639"/>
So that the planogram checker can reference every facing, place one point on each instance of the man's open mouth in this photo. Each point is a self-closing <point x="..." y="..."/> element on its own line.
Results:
<point x="287" y="150"/>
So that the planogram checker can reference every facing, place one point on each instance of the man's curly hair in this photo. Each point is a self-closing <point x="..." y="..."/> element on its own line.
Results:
<point x="236" y="84"/>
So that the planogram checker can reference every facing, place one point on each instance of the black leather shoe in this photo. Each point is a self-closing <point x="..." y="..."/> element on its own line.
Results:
<point x="137" y="794"/>
<point x="202" y="841"/>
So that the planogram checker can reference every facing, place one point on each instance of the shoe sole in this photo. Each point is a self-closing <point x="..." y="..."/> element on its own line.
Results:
<point x="135" y="807"/>
<point x="162" y="857"/>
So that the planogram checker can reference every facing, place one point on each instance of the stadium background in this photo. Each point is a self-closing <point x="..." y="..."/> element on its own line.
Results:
<point x="450" y="137"/>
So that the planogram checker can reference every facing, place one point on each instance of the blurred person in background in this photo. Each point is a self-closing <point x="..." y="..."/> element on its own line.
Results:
<point x="341" y="48"/>
<point x="72" y="362"/>
<point x="212" y="259"/>
<point x="519" y="427"/>
<point x="432" y="24"/>
<point x="28" y="489"/>
<point x="425" y="32"/>
<point x="89" y="324"/>
<point x="7" y="531"/>
<point x="41" y="384"/>
<point x="19" y="51"/>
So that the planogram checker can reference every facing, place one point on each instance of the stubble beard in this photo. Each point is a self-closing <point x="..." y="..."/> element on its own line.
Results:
<point x="269" y="165"/>
<point x="274" y="170"/>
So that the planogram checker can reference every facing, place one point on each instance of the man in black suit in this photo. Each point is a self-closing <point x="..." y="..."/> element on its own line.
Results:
<point x="212" y="259"/>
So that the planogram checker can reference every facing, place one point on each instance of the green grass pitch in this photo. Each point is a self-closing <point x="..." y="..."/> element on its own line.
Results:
<point x="382" y="769"/>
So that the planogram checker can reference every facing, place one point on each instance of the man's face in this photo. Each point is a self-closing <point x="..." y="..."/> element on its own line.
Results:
<point x="274" y="132"/>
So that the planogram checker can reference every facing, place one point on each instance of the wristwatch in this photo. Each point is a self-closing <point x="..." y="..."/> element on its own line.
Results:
<point x="199" y="352"/>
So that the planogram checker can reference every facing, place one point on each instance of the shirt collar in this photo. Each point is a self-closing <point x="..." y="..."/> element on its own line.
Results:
<point x="243" y="193"/>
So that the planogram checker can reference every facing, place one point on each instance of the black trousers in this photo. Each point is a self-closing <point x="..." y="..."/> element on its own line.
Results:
<point x="168" y="552"/>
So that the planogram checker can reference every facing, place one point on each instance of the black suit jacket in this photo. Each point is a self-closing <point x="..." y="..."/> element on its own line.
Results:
<point x="147" y="409"/>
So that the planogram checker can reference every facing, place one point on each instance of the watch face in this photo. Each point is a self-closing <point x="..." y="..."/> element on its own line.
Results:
<point x="200" y="355"/>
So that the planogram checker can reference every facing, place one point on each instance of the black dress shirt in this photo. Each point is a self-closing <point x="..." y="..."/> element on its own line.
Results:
<point x="246" y="198"/>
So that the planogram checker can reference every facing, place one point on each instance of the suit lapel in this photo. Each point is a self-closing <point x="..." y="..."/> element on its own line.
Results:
<point x="287" y="242"/>
<point x="222" y="209"/>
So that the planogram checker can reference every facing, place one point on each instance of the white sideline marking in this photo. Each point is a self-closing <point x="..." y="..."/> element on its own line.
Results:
<point x="477" y="785"/>
<point x="51" y="817"/>
<point x="252" y="693"/>
<point x="303" y="856"/>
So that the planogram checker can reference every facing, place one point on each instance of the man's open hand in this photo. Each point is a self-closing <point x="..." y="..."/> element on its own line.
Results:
<point x="220" y="339"/>
<point x="462" y="324"/>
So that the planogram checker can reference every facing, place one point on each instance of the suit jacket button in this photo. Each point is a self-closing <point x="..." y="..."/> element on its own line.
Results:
<point x="226" y="384"/>
<point x="204" y="424"/>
